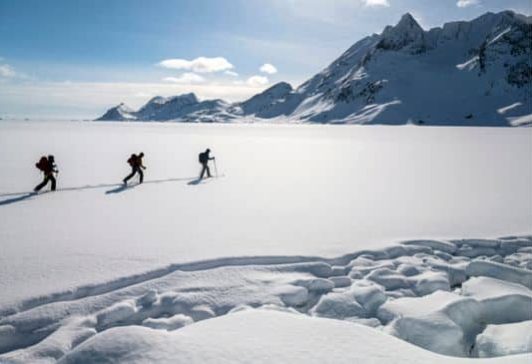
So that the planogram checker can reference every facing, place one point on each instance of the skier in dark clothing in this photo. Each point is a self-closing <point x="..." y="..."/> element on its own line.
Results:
<point x="48" y="167"/>
<point x="204" y="159"/>
<point x="135" y="161"/>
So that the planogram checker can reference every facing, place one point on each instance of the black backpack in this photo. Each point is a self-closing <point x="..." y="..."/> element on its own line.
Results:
<point x="202" y="158"/>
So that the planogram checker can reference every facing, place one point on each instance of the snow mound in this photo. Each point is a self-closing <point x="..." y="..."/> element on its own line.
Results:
<point x="168" y="323"/>
<point x="253" y="336"/>
<point x="507" y="339"/>
<point x="500" y="271"/>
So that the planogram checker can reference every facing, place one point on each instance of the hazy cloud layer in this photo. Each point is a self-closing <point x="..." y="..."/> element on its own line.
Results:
<point x="186" y="78"/>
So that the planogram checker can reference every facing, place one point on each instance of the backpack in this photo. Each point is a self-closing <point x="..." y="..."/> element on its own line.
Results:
<point x="132" y="161"/>
<point x="42" y="164"/>
<point x="202" y="158"/>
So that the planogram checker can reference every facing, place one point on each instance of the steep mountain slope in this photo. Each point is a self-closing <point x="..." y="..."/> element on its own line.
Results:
<point x="464" y="73"/>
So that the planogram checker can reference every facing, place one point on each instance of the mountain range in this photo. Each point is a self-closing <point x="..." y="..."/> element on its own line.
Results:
<point x="471" y="73"/>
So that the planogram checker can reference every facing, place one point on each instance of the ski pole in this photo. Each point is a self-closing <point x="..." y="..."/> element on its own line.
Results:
<point x="215" y="168"/>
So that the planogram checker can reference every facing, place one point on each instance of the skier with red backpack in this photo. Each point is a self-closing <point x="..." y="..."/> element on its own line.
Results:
<point x="135" y="161"/>
<point x="48" y="167"/>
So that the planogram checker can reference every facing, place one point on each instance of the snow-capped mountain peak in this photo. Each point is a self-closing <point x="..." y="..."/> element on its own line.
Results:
<point x="119" y="112"/>
<point x="463" y="73"/>
<point x="406" y="32"/>
<point x="259" y="103"/>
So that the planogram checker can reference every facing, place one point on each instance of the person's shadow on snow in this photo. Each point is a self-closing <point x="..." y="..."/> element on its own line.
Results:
<point x="120" y="188"/>
<point x="195" y="182"/>
<point x="18" y="198"/>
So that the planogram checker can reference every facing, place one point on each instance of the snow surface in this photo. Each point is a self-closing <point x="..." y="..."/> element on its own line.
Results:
<point x="287" y="190"/>
<point x="310" y="214"/>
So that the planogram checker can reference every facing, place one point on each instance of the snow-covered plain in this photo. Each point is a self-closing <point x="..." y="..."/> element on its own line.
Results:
<point x="93" y="256"/>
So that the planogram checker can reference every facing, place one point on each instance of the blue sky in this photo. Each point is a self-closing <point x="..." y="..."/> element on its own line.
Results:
<point x="73" y="58"/>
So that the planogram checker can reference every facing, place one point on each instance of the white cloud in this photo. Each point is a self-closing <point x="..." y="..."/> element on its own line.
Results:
<point x="257" y="81"/>
<point x="268" y="68"/>
<point x="467" y="3"/>
<point x="185" y="78"/>
<point x="200" y="64"/>
<point x="7" y="71"/>
<point x="376" y="3"/>
<point x="231" y="73"/>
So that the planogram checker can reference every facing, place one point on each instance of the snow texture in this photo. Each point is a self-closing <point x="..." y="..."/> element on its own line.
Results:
<point x="483" y="317"/>
<point x="278" y="337"/>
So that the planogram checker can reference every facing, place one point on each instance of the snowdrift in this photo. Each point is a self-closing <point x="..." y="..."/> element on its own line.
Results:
<point x="278" y="337"/>
<point x="404" y="290"/>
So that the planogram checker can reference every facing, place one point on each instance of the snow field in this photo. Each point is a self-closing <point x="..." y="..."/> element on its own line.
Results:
<point x="288" y="190"/>
<point x="403" y="290"/>
<point x="82" y="264"/>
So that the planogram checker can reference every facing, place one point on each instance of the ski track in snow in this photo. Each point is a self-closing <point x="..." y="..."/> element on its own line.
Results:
<point x="468" y="297"/>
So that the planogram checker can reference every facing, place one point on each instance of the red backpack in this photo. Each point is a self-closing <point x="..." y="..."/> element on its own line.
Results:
<point x="132" y="161"/>
<point x="42" y="164"/>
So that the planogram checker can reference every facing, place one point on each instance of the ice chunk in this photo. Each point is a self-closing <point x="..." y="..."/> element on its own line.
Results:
<point x="477" y="243"/>
<point x="317" y="284"/>
<point x="429" y="282"/>
<point x="413" y="306"/>
<point x="338" y="305"/>
<point x="442" y="322"/>
<point x="369" y="295"/>
<point x="338" y="270"/>
<point x="294" y="295"/>
<point x="512" y="245"/>
<point x="437" y="333"/>
<point x="500" y="271"/>
<point x="444" y="246"/>
<point x="341" y="281"/>
<point x="469" y="251"/>
<point x="507" y="339"/>
<point x="408" y="270"/>
<point x="500" y="301"/>
<point x="118" y="312"/>
<point x="361" y="300"/>
<point x="168" y="323"/>
<point x="148" y="299"/>
<point x="389" y="279"/>
<point x="395" y="251"/>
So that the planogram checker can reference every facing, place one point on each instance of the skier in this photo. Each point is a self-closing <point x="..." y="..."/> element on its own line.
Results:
<point x="204" y="159"/>
<point x="48" y="167"/>
<point x="135" y="161"/>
